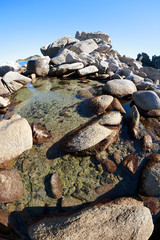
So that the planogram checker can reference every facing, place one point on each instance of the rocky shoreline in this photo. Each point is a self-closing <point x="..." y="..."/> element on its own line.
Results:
<point x="106" y="80"/>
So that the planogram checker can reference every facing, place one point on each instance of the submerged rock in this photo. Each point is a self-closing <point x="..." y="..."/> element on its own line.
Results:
<point x="56" y="186"/>
<point x="133" y="124"/>
<point x="11" y="187"/>
<point x="40" y="133"/>
<point x="147" y="143"/>
<point x="120" y="88"/>
<point x="149" y="182"/>
<point x="103" y="222"/>
<point x="16" y="137"/>
<point x="131" y="162"/>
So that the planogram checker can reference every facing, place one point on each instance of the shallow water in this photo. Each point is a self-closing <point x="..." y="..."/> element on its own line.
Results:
<point x="58" y="104"/>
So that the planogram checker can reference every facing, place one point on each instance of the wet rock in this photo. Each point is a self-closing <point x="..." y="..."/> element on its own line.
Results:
<point x="149" y="182"/>
<point x="100" y="103"/>
<point x="84" y="224"/>
<point x="87" y="35"/>
<point x="4" y="102"/>
<point x="146" y="100"/>
<point x="67" y="68"/>
<point x="11" y="187"/>
<point x="70" y="203"/>
<point x="56" y="186"/>
<point x="86" y="46"/>
<point x="116" y="105"/>
<point x="151" y="203"/>
<point x="134" y="118"/>
<point x="105" y="188"/>
<point x="40" y="133"/>
<point x="102" y="156"/>
<point x="120" y="88"/>
<point x="111" y="166"/>
<point x="154" y="113"/>
<point x="117" y="157"/>
<point x="40" y="66"/>
<point x="16" y="137"/>
<point x="9" y="66"/>
<point x="147" y="143"/>
<point x="56" y="47"/>
<point x="87" y="70"/>
<point x="131" y="162"/>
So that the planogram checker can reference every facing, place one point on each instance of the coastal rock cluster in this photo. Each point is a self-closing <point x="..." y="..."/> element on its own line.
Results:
<point x="87" y="56"/>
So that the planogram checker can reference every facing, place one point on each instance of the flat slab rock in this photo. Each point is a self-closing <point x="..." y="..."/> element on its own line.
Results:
<point x="98" y="223"/>
<point x="91" y="133"/>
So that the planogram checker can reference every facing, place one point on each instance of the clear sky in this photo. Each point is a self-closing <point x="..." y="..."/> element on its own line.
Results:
<point x="27" y="25"/>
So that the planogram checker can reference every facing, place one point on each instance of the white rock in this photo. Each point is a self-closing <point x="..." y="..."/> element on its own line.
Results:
<point x="9" y="66"/>
<point x="86" y="46"/>
<point x="66" y="68"/>
<point x="87" y="70"/>
<point x="136" y="79"/>
<point x="113" y="67"/>
<point x="16" y="77"/>
<point x="103" y="66"/>
<point x="87" y="58"/>
<point x="111" y="118"/>
<point x="84" y="35"/>
<point x="4" y="102"/>
<point x="120" y="88"/>
<point x="16" y="137"/>
<point x="60" y="57"/>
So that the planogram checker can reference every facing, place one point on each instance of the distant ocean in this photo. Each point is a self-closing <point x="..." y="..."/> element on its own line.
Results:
<point x="22" y="63"/>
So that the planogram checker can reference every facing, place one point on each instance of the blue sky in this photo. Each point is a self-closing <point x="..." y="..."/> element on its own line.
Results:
<point x="26" y="26"/>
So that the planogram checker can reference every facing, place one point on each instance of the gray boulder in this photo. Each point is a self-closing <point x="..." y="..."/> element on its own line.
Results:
<point x="60" y="57"/>
<point x="120" y="222"/>
<point x="149" y="182"/>
<point x="56" y="47"/>
<point x="135" y="79"/>
<point x="40" y="66"/>
<point x="100" y="103"/>
<point x="146" y="100"/>
<point x="16" y="137"/>
<point x="111" y="118"/>
<point x="87" y="70"/>
<point x="152" y="73"/>
<point x="103" y="66"/>
<point x="86" y="46"/>
<point x="144" y="85"/>
<point x="84" y="35"/>
<point x="11" y="82"/>
<point x="9" y="66"/>
<point x="88" y="59"/>
<point x="120" y="88"/>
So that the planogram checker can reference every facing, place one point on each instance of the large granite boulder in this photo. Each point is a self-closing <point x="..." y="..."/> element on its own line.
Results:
<point x="146" y="100"/>
<point x="56" y="47"/>
<point x="11" y="186"/>
<point x="9" y="66"/>
<point x="40" y="66"/>
<point x="120" y="88"/>
<point x="98" y="223"/>
<point x="16" y="137"/>
<point x="92" y="136"/>
<point x="11" y="82"/>
<point x="84" y="35"/>
<point x="86" y="46"/>
<point x="149" y="182"/>
<point x="88" y="59"/>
